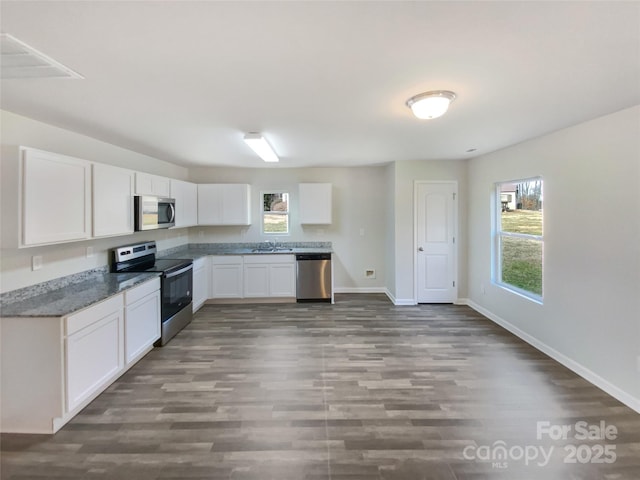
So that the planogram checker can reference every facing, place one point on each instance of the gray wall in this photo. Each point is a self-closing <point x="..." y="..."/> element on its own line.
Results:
<point x="590" y="318"/>
<point x="358" y="230"/>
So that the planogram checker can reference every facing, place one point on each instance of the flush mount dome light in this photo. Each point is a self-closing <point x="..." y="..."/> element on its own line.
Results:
<point x="432" y="104"/>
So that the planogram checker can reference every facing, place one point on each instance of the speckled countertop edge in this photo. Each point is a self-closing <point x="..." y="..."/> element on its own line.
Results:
<point x="69" y="294"/>
<point x="94" y="287"/>
<point x="194" y="251"/>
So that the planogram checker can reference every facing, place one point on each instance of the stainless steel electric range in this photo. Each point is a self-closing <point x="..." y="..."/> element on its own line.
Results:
<point x="176" y="283"/>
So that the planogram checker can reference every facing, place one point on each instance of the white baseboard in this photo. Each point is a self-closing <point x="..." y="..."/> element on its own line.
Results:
<point x="399" y="301"/>
<point x="592" y="377"/>
<point x="359" y="290"/>
<point x="461" y="301"/>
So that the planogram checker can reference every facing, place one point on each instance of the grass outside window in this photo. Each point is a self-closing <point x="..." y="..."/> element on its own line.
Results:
<point x="519" y="237"/>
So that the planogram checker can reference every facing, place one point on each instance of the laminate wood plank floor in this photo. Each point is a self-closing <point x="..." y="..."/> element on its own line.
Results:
<point x="359" y="390"/>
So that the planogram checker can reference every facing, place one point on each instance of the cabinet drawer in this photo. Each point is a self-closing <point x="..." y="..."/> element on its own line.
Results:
<point x="227" y="260"/>
<point x="78" y="321"/>
<point x="134" y="294"/>
<point x="266" y="258"/>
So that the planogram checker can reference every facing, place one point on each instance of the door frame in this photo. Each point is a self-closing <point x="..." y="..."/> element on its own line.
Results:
<point x="456" y="249"/>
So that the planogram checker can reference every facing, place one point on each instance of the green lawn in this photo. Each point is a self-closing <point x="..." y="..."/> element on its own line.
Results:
<point x="274" y="223"/>
<point x="522" y="221"/>
<point x="522" y="258"/>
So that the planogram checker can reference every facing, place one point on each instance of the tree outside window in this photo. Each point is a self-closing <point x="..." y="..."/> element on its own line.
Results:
<point x="275" y="213"/>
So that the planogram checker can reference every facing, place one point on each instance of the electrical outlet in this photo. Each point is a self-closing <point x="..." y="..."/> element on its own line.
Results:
<point x="362" y="232"/>
<point x="482" y="289"/>
<point x="370" y="273"/>
<point x="89" y="252"/>
<point x="36" y="262"/>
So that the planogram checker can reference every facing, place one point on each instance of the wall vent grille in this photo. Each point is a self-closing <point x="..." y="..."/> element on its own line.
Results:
<point x="20" y="60"/>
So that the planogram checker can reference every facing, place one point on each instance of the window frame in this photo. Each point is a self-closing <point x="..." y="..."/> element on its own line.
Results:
<point x="499" y="234"/>
<point x="286" y="214"/>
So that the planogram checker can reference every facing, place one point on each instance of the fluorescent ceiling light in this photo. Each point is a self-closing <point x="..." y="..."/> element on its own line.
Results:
<point x="430" y="105"/>
<point x="260" y="145"/>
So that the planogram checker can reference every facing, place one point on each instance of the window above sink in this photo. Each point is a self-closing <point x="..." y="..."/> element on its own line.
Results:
<point x="275" y="213"/>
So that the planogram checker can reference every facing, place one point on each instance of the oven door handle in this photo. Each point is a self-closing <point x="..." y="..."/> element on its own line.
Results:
<point x="182" y="270"/>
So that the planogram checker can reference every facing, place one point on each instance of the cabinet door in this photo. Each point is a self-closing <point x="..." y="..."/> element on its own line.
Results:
<point x="282" y="280"/>
<point x="94" y="355"/>
<point x="224" y="204"/>
<point x="210" y="204"/>
<point x="200" y="282"/>
<point x="226" y="280"/>
<point x="55" y="198"/>
<point x="147" y="184"/>
<point x="315" y="203"/>
<point x="186" y="195"/>
<point x="236" y="203"/>
<point x="256" y="280"/>
<point x="112" y="201"/>
<point x="142" y="326"/>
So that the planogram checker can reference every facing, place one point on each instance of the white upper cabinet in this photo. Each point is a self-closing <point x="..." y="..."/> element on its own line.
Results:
<point x="147" y="184"/>
<point x="55" y="198"/>
<point x="315" y="203"/>
<point x="186" y="195"/>
<point x="112" y="201"/>
<point x="224" y="204"/>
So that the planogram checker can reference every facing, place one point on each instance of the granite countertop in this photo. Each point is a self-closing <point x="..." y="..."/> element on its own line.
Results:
<point x="73" y="297"/>
<point x="195" y="251"/>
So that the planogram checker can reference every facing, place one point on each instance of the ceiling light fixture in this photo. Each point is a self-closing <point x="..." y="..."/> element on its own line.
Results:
<point x="260" y="145"/>
<point x="432" y="104"/>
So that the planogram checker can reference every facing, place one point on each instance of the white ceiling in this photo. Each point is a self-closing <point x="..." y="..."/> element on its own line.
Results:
<point x="324" y="81"/>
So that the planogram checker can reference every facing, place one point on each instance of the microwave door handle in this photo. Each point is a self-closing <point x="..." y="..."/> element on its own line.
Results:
<point x="173" y="213"/>
<point x="182" y="270"/>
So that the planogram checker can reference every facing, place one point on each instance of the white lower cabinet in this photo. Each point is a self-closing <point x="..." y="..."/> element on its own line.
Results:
<point x="256" y="280"/>
<point x="253" y="276"/>
<point x="269" y="276"/>
<point x="282" y="279"/>
<point x="94" y="350"/>
<point x="200" y="282"/>
<point x="52" y="367"/>
<point x="226" y="276"/>
<point x="142" y="320"/>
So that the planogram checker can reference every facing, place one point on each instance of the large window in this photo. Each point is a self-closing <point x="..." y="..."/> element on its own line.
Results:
<point x="275" y="213"/>
<point x="519" y="239"/>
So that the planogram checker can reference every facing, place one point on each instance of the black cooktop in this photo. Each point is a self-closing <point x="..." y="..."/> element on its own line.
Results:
<point x="167" y="265"/>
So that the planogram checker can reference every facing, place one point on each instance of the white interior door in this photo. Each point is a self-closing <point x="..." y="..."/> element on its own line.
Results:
<point x="436" y="212"/>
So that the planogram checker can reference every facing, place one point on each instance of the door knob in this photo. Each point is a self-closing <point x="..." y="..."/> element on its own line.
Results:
<point x="420" y="249"/>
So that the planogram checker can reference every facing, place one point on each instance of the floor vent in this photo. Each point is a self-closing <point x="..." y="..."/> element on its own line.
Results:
<point x="19" y="60"/>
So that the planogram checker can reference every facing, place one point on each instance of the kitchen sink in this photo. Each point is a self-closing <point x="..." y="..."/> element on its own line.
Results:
<point x="271" y="250"/>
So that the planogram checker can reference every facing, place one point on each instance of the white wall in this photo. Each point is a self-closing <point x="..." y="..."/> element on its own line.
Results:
<point x="359" y="197"/>
<point x="69" y="258"/>
<point x="590" y="318"/>
<point x="406" y="173"/>
<point x="390" y="241"/>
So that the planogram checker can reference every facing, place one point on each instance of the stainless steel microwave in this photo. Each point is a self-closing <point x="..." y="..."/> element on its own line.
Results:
<point x="152" y="212"/>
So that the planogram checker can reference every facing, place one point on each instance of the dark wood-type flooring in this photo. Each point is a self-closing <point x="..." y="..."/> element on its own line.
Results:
<point x="359" y="390"/>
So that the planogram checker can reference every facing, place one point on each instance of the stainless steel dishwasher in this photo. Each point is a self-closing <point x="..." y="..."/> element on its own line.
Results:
<point x="313" y="278"/>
